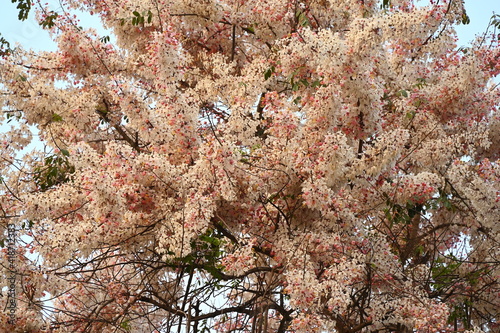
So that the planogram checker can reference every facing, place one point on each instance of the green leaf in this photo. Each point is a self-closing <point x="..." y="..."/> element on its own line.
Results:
<point x="55" y="170"/>
<point x="386" y="4"/>
<point x="302" y="19"/>
<point x="410" y="115"/>
<point x="465" y="18"/>
<point x="421" y="82"/>
<point x="126" y="325"/>
<point x="250" y="29"/>
<point x="269" y="72"/>
<point x="316" y="83"/>
<point x="24" y="7"/>
<point x="105" y="39"/>
<point x="388" y="215"/>
<point x="463" y="49"/>
<point x="495" y="21"/>
<point x="4" y="47"/>
<point x="56" y="117"/>
<point x="136" y="13"/>
<point x="49" y="20"/>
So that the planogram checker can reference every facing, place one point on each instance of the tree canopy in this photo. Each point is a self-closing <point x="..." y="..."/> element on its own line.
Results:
<point x="251" y="166"/>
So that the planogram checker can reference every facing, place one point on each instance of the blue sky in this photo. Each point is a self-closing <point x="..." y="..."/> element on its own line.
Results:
<point x="480" y="12"/>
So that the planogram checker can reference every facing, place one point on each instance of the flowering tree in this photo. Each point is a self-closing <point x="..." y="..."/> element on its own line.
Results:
<point x="253" y="166"/>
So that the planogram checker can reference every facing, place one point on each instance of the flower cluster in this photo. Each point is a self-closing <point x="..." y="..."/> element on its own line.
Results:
<point x="268" y="165"/>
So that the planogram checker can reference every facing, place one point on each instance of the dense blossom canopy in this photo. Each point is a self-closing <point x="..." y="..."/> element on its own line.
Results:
<point x="253" y="166"/>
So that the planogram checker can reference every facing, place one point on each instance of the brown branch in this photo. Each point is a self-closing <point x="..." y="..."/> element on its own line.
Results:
<point x="233" y="46"/>
<point x="103" y="115"/>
